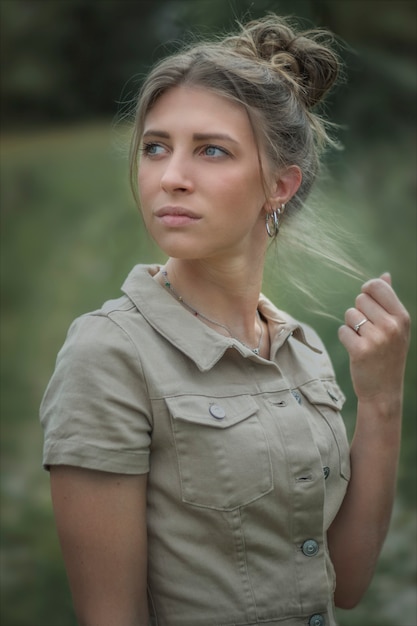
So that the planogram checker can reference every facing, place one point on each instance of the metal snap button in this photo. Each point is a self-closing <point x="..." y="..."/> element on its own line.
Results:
<point x="217" y="411"/>
<point x="316" y="620"/>
<point x="310" y="547"/>
<point x="296" y="395"/>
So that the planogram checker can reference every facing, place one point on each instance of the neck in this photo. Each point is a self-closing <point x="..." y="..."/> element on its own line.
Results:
<point x="227" y="294"/>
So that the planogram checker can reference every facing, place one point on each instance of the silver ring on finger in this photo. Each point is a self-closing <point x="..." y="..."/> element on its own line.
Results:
<point x="359" y="324"/>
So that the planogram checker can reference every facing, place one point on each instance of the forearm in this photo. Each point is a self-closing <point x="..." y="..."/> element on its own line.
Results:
<point x="358" y="532"/>
<point x="104" y="615"/>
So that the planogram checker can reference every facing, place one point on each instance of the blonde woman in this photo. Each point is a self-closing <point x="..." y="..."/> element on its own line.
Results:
<point x="200" y="469"/>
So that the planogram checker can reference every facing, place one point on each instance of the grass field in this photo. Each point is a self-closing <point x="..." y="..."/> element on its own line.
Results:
<point x="70" y="233"/>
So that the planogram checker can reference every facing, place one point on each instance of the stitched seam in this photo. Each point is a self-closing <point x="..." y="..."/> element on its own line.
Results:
<point x="243" y="564"/>
<point x="136" y="351"/>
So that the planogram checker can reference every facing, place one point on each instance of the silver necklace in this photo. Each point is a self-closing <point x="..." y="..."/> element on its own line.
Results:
<point x="196" y="313"/>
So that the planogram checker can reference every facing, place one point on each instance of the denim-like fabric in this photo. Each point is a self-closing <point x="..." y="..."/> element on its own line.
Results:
<point x="248" y="458"/>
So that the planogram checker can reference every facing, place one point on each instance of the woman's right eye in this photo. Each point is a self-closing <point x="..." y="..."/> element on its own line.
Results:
<point x="153" y="149"/>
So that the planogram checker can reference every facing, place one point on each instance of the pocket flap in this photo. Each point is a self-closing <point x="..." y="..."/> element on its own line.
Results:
<point x="212" y="412"/>
<point x="326" y="392"/>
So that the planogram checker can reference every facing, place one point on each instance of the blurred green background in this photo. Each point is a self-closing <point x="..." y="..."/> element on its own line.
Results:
<point x="70" y="232"/>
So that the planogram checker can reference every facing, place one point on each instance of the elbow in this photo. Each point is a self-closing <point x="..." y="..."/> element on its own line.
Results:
<point x="348" y="599"/>
<point x="347" y="603"/>
<point x="351" y="586"/>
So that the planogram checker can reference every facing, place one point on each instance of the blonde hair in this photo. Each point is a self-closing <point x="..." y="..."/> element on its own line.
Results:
<point x="275" y="73"/>
<point x="279" y="75"/>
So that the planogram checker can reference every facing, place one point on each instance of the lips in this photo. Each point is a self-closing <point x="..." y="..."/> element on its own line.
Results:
<point x="176" y="211"/>
<point x="176" y="216"/>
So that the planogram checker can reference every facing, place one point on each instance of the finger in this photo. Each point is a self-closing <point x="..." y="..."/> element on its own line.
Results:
<point x="387" y="277"/>
<point x="349" y="338"/>
<point x="370" y="308"/>
<point x="381" y="291"/>
<point x="356" y="320"/>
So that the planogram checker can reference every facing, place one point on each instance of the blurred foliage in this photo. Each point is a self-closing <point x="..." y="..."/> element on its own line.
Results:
<point x="70" y="60"/>
<point x="70" y="232"/>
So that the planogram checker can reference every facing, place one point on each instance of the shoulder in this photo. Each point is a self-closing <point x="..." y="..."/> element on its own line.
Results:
<point x="100" y="345"/>
<point x="99" y="330"/>
<point x="108" y="329"/>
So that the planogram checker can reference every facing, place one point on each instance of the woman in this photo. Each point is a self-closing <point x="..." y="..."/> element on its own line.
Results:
<point x="199" y="464"/>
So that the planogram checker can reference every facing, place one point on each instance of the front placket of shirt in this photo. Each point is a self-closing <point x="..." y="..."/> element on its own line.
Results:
<point x="307" y="493"/>
<point x="307" y="487"/>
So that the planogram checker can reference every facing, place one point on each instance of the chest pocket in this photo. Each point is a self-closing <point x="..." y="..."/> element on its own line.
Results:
<point x="223" y="454"/>
<point x="328" y="400"/>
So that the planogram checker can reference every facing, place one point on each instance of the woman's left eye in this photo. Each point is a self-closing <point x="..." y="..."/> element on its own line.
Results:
<point x="215" y="151"/>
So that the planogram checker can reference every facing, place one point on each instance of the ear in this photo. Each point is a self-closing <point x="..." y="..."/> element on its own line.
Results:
<point x="285" y="185"/>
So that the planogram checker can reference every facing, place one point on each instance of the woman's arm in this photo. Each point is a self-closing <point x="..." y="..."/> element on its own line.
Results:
<point x="377" y="359"/>
<point x="101" y="522"/>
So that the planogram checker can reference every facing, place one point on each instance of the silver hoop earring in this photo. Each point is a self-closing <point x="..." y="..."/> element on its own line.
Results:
<point x="272" y="221"/>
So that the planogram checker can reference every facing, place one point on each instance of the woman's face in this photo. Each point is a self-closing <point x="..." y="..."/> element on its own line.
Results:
<point x="200" y="182"/>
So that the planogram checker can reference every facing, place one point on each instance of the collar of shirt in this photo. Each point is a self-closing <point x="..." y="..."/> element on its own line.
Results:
<point x="187" y="333"/>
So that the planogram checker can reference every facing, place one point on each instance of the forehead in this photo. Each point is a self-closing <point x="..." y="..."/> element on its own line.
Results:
<point x="198" y="109"/>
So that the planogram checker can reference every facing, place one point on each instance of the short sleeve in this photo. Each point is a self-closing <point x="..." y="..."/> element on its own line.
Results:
<point x="95" y="412"/>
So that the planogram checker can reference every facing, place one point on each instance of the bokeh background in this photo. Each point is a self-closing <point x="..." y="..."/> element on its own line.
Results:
<point x="71" y="232"/>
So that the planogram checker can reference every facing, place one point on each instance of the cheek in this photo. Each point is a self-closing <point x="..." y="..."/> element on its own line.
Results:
<point x="241" y="192"/>
<point x="146" y="184"/>
<point x="141" y="177"/>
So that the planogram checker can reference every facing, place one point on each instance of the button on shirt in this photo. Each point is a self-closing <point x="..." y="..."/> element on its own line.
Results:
<point x="248" y="458"/>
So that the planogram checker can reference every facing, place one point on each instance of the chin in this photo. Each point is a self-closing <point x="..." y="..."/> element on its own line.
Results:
<point x="184" y="255"/>
<point x="181" y="248"/>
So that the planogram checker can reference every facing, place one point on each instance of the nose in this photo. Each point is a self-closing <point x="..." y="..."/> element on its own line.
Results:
<point x="176" y="176"/>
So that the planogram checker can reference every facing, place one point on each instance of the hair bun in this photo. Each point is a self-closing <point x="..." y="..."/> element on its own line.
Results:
<point x="305" y="59"/>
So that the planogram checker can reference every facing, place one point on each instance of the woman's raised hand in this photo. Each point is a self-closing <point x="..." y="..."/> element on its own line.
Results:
<point x="376" y="335"/>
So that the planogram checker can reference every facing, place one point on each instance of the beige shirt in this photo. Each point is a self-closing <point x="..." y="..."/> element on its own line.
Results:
<point x="248" y="458"/>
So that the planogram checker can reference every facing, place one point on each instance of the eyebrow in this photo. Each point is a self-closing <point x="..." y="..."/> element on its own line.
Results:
<point x="196" y="136"/>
